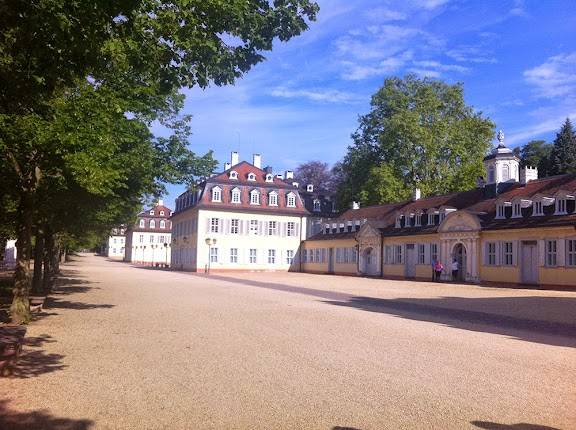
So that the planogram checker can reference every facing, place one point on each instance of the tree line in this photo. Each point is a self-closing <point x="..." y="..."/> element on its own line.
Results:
<point x="82" y="82"/>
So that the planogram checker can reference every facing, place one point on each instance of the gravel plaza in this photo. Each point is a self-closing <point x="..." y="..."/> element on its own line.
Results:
<point x="124" y="347"/>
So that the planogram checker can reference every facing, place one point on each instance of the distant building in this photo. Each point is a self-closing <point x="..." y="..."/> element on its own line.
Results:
<point x="115" y="247"/>
<point x="9" y="256"/>
<point x="511" y="229"/>
<point x="245" y="218"/>
<point x="148" y="242"/>
<point x="320" y="205"/>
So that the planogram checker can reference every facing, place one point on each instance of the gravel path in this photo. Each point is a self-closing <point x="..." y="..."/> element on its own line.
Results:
<point x="121" y="347"/>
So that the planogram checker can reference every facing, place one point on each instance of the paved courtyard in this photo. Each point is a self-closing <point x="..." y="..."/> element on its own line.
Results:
<point x="120" y="347"/>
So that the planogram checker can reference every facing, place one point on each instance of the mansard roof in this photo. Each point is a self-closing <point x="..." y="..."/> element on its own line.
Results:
<point x="244" y="169"/>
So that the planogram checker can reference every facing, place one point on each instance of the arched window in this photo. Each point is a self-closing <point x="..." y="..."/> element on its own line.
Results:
<point x="505" y="172"/>
<point x="491" y="178"/>
<point x="254" y="197"/>
<point x="269" y="177"/>
<point x="216" y="194"/>
<point x="233" y="174"/>
<point x="291" y="200"/>
<point x="152" y="223"/>
<point x="251" y="177"/>
<point x="236" y="196"/>
<point x="162" y="224"/>
<point x="273" y="198"/>
<point x="316" y="205"/>
<point x="142" y="223"/>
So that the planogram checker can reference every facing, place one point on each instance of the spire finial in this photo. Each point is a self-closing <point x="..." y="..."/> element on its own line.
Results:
<point x="500" y="137"/>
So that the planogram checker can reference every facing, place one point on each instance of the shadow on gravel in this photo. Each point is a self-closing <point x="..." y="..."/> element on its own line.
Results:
<point x="520" y="426"/>
<point x="344" y="428"/>
<point x="37" y="420"/>
<point x="56" y="303"/>
<point x="35" y="362"/>
<point x="475" y="314"/>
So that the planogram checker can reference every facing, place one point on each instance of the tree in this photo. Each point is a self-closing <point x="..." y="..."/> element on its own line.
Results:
<point x="563" y="156"/>
<point x="536" y="153"/>
<point x="134" y="56"/>
<point x="316" y="173"/>
<point x="419" y="132"/>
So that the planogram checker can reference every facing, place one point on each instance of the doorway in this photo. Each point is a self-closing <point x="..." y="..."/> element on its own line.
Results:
<point x="330" y="260"/>
<point x="529" y="262"/>
<point x="459" y="255"/>
<point x="368" y="261"/>
<point x="410" y="265"/>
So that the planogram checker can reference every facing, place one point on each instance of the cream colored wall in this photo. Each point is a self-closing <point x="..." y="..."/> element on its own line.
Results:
<point x="422" y="270"/>
<point x="561" y="275"/>
<point x="150" y="255"/>
<point x="339" y="268"/>
<point x="185" y="238"/>
<point x="243" y="242"/>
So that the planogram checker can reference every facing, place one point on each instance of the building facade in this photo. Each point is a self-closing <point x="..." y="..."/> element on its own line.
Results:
<point x="116" y="245"/>
<point x="245" y="218"/>
<point x="148" y="242"/>
<point x="512" y="229"/>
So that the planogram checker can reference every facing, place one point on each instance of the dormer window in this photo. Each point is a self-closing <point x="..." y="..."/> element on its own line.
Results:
<point x="216" y="194"/>
<point x="273" y="199"/>
<point x="142" y="223"/>
<point x="254" y="197"/>
<point x="236" y="196"/>
<point x="152" y="212"/>
<point x="517" y="210"/>
<point x="161" y="213"/>
<point x="162" y="224"/>
<point x="431" y="217"/>
<point x="251" y="176"/>
<point x="233" y="174"/>
<point x="560" y="207"/>
<point x="152" y="223"/>
<point x="418" y="220"/>
<point x="269" y="177"/>
<point x="398" y="221"/>
<point x="316" y="205"/>
<point x="500" y="211"/>
<point x="538" y="209"/>
<point x="291" y="200"/>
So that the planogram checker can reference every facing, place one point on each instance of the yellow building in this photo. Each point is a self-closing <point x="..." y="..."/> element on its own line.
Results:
<point x="512" y="229"/>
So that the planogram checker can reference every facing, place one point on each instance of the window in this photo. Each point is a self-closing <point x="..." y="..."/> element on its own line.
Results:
<point x="421" y="253"/>
<point x="551" y="253"/>
<point x="142" y="223"/>
<point x="152" y="212"/>
<point x="517" y="210"/>
<point x="537" y="209"/>
<point x="162" y="224"/>
<point x="114" y="240"/>
<point x="233" y="174"/>
<point x="398" y="254"/>
<point x="491" y="254"/>
<point x="388" y="255"/>
<point x="317" y="255"/>
<point x="316" y="205"/>
<point x="431" y="217"/>
<point x="236" y="196"/>
<point x="251" y="177"/>
<point x="398" y="223"/>
<point x="273" y="199"/>
<point x="141" y="239"/>
<point x="305" y="256"/>
<point x="233" y="255"/>
<point x="290" y="229"/>
<point x="433" y="252"/>
<point x="272" y="228"/>
<point x="491" y="178"/>
<point x="254" y="197"/>
<point x="151" y="238"/>
<point x="289" y="256"/>
<point x="271" y="256"/>
<point x="418" y="220"/>
<point x="571" y="252"/>
<point x="216" y="194"/>
<point x="269" y="177"/>
<point x="560" y="207"/>
<point x="505" y="172"/>
<point x="213" y="255"/>
<point x="214" y="225"/>
<point x="508" y="253"/>
<point x="254" y="227"/>
<point x="500" y="211"/>
<point x="235" y="226"/>
<point x="152" y="223"/>
<point x="291" y="200"/>
<point x="161" y="213"/>
<point x="252" y="256"/>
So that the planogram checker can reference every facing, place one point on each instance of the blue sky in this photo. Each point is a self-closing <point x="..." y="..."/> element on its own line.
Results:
<point x="517" y="60"/>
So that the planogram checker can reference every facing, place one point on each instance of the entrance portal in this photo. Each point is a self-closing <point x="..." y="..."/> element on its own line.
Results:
<point x="459" y="255"/>
<point x="368" y="262"/>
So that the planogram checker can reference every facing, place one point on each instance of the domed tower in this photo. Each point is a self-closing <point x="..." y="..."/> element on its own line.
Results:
<point x="502" y="166"/>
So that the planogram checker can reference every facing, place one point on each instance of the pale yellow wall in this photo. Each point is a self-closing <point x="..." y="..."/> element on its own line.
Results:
<point x="339" y="268"/>
<point x="422" y="270"/>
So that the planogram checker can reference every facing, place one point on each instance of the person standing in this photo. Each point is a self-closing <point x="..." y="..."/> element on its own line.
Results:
<point x="433" y="264"/>
<point x="438" y="268"/>
<point x="455" y="270"/>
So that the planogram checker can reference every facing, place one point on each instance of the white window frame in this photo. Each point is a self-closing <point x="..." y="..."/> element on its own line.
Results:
<point x="216" y="194"/>
<point x="500" y="211"/>
<point x="251" y="176"/>
<point x="551" y="253"/>
<point x="507" y="253"/>
<point x="398" y="254"/>
<point x="233" y="174"/>
<point x="234" y="226"/>
<point x="290" y="229"/>
<point x="272" y="228"/>
<point x="433" y="252"/>
<point x="214" y="225"/>
<point x="253" y="256"/>
<point x="491" y="253"/>
<point x="273" y="198"/>
<point x="142" y="223"/>
<point x="291" y="200"/>
<point x="517" y="209"/>
<point x="233" y="255"/>
<point x="271" y="256"/>
<point x="161" y="213"/>
<point x="561" y="206"/>
<point x="289" y="256"/>
<point x="571" y="252"/>
<point x="317" y="205"/>
<point x="269" y="177"/>
<point x="236" y="196"/>
<point x="255" y="197"/>
<point x="253" y="227"/>
<point x="213" y="254"/>
<point x="152" y="224"/>
<point x="538" y="209"/>
<point x="152" y="212"/>
<point x="421" y="253"/>
<point x="162" y="223"/>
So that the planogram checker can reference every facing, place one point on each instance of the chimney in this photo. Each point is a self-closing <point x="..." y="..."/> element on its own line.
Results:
<point x="355" y="205"/>
<point x="234" y="158"/>
<point x="289" y="174"/>
<point x="257" y="161"/>
<point x="310" y="188"/>
<point x="160" y="202"/>
<point x="416" y="194"/>
<point x="295" y="184"/>
<point x="480" y="182"/>
<point x="227" y="166"/>
<point x="528" y="174"/>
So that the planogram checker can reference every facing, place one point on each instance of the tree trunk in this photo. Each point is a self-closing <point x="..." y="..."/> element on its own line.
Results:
<point x="20" y="309"/>
<point x="47" y="281"/>
<point x="3" y="243"/>
<point x="38" y="261"/>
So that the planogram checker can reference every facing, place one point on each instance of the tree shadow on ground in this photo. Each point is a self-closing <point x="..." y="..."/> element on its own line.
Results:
<point x="37" y="420"/>
<point x="488" y="314"/>
<point x="56" y="303"/>
<point x="488" y="425"/>
<point x="35" y="362"/>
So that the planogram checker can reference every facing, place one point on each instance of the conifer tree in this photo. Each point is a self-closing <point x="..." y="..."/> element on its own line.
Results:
<point x="563" y="157"/>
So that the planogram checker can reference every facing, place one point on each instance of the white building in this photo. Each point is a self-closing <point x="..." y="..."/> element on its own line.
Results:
<point x="148" y="241"/>
<point x="244" y="218"/>
<point x="9" y="259"/>
<point x="116" y="244"/>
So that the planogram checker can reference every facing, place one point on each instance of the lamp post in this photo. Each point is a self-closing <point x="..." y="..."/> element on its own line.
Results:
<point x="143" y="254"/>
<point x="153" y="248"/>
<point x="209" y="242"/>
<point x="166" y="252"/>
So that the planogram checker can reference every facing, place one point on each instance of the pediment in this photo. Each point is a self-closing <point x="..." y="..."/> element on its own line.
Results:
<point x="368" y="231"/>
<point x="459" y="221"/>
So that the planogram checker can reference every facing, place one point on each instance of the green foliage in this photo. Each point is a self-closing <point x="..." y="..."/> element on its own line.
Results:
<point x="536" y="153"/>
<point x="563" y="156"/>
<point x="419" y="133"/>
<point x="316" y="173"/>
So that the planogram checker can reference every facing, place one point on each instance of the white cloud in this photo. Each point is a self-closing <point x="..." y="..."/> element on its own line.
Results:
<point x="535" y="130"/>
<point x="356" y="72"/>
<point x="470" y="54"/>
<point x="382" y="14"/>
<point x="425" y="73"/>
<point x="555" y="77"/>
<point x="435" y="65"/>
<point x="318" y="95"/>
<point x="430" y="4"/>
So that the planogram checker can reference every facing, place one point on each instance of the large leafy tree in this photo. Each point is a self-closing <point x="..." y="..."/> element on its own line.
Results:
<point x="536" y="153"/>
<point x="563" y="156"/>
<point x="418" y="133"/>
<point x="130" y="57"/>
<point x="316" y="173"/>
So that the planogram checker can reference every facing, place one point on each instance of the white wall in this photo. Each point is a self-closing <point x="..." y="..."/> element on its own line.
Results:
<point x="148" y="247"/>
